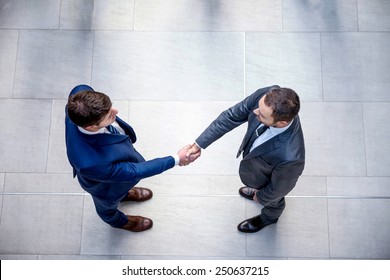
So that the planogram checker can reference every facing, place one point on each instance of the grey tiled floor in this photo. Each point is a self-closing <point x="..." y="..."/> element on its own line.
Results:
<point x="171" y="67"/>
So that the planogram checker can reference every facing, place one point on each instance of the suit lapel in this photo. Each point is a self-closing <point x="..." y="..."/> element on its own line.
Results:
<point x="270" y="145"/>
<point x="275" y="142"/>
<point x="253" y="123"/>
<point x="127" y="128"/>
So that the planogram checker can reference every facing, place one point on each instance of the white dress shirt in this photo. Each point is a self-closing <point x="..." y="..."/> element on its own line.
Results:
<point x="268" y="134"/>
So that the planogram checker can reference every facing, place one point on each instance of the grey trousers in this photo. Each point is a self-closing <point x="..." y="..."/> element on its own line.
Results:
<point x="271" y="212"/>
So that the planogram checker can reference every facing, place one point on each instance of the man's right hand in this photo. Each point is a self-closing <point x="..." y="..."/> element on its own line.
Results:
<point x="193" y="153"/>
<point x="187" y="154"/>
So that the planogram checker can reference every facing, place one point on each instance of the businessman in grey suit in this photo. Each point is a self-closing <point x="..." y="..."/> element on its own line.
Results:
<point x="273" y="149"/>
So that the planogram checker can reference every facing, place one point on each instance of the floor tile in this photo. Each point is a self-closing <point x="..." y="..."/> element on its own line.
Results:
<point x="113" y="14"/>
<point x="174" y="119"/>
<point x="169" y="66"/>
<point x="25" y="14"/>
<point x="309" y="186"/>
<point x="358" y="228"/>
<point x="57" y="161"/>
<point x="374" y="15"/>
<point x="18" y="257"/>
<point x="24" y="149"/>
<point x="41" y="224"/>
<point x="98" y="14"/>
<point x="50" y="62"/>
<point x="331" y="15"/>
<point x="8" y="48"/>
<point x="77" y="14"/>
<point x="287" y="59"/>
<point x="377" y="138"/>
<point x="334" y="139"/>
<point x="78" y="257"/>
<point x="2" y="178"/>
<point x="41" y="183"/>
<point x="358" y="186"/>
<point x="355" y="66"/>
<point x="185" y="226"/>
<point x="203" y="15"/>
<point x="195" y="258"/>
<point x="302" y="231"/>
<point x="193" y="185"/>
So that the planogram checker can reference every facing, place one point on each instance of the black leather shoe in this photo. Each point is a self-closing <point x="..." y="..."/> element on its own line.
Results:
<point x="247" y="192"/>
<point x="253" y="224"/>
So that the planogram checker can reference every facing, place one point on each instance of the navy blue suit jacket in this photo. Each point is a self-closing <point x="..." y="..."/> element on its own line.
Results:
<point x="107" y="165"/>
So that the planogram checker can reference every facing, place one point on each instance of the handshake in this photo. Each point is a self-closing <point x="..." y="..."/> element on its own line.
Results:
<point x="188" y="154"/>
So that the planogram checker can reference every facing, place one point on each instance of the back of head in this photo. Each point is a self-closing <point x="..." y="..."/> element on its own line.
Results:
<point x="88" y="107"/>
<point x="284" y="103"/>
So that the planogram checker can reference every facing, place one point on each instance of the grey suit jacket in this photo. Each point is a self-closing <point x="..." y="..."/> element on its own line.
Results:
<point x="274" y="166"/>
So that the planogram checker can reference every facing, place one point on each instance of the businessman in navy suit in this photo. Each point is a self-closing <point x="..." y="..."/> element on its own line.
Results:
<point x="273" y="149"/>
<point x="100" y="149"/>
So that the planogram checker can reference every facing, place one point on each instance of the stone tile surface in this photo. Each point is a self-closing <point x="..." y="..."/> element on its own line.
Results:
<point x="358" y="228"/>
<point x="334" y="147"/>
<point x="41" y="224"/>
<point x="171" y="67"/>
<point x="286" y="59"/>
<point x="25" y="14"/>
<point x="8" y="50"/>
<point x="376" y="138"/>
<point x="355" y="66"/>
<point x="331" y="15"/>
<point x="25" y="135"/>
<point x="377" y="10"/>
<point x="203" y="15"/>
<point x="175" y="221"/>
<point x="302" y="231"/>
<point x="50" y="62"/>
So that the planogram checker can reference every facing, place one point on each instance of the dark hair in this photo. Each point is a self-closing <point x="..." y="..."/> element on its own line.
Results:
<point x="284" y="102"/>
<point x="88" y="107"/>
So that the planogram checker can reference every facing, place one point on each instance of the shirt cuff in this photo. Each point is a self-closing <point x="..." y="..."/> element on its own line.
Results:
<point x="176" y="158"/>
<point x="198" y="145"/>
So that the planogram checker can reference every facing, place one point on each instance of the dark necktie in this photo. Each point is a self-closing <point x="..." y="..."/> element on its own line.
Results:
<point x="254" y="136"/>
<point x="112" y="129"/>
<point x="260" y="130"/>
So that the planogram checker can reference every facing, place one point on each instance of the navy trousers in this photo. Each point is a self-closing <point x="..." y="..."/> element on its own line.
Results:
<point x="107" y="210"/>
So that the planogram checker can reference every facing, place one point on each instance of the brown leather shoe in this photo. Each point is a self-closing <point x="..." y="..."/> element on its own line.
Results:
<point x="138" y="194"/>
<point x="138" y="223"/>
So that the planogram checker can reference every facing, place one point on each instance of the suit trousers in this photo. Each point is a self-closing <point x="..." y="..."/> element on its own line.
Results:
<point x="271" y="212"/>
<point x="109" y="213"/>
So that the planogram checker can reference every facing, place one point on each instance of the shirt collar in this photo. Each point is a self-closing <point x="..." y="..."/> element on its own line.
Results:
<point x="100" y="131"/>
<point x="278" y="130"/>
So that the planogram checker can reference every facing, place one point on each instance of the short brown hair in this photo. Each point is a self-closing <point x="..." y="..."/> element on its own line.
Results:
<point x="284" y="102"/>
<point x="88" y="107"/>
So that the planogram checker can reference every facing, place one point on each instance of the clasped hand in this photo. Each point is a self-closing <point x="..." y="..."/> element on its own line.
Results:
<point x="188" y="154"/>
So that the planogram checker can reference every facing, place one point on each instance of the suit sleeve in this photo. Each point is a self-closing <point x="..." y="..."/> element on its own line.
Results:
<point x="128" y="171"/>
<point x="283" y="180"/>
<point x="230" y="119"/>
